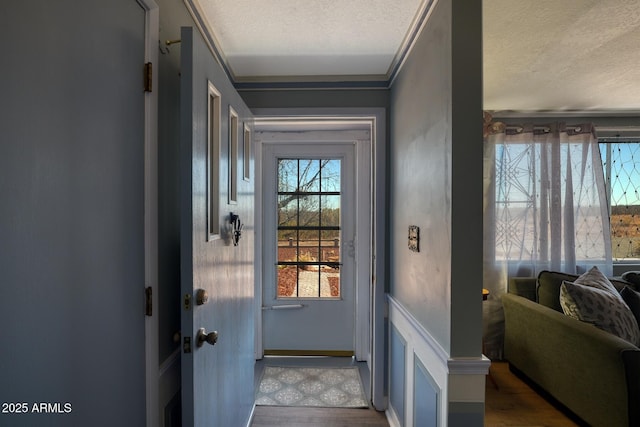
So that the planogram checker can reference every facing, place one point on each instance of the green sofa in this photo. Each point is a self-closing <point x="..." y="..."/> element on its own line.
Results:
<point x="593" y="373"/>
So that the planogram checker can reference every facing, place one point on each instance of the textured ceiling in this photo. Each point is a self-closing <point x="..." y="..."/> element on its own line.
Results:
<point x="561" y="55"/>
<point x="309" y="38"/>
<point x="538" y="54"/>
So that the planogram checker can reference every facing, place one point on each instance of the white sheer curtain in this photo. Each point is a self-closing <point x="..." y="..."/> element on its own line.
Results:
<point x="545" y="209"/>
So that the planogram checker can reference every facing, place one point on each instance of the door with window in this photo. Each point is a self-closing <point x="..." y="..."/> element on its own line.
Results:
<point x="216" y="271"/>
<point x="309" y="249"/>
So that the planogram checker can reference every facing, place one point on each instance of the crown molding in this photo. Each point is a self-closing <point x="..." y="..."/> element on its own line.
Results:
<point x="246" y="83"/>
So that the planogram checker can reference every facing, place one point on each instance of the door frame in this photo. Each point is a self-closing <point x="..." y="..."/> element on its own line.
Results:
<point x="151" y="327"/>
<point x="370" y="338"/>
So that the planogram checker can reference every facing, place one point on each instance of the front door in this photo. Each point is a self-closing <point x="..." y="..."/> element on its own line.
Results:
<point x="216" y="268"/>
<point x="309" y="249"/>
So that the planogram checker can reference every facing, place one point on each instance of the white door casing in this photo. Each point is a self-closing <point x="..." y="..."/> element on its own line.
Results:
<point x="152" y="373"/>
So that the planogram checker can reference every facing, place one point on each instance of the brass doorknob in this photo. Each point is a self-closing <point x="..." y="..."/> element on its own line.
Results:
<point x="203" y="336"/>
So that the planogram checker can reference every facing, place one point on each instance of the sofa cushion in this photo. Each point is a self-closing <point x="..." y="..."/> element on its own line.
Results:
<point x="632" y="277"/>
<point x="620" y="283"/>
<point x="549" y="282"/>
<point x="632" y="298"/>
<point x="600" y="307"/>
<point x="548" y="290"/>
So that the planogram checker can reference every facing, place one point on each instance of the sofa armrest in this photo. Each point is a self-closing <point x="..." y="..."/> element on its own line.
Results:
<point x="523" y="286"/>
<point x="631" y="359"/>
<point x="580" y="365"/>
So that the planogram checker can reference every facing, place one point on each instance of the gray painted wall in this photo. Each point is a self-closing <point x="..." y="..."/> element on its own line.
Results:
<point x="173" y="14"/>
<point x="71" y="212"/>
<point x="467" y="178"/>
<point x="344" y="98"/>
<point x="436" y="184"/>
<point x="436" y="178"/>
<point x="421" y="163"/>
<point x="316" y="98"/>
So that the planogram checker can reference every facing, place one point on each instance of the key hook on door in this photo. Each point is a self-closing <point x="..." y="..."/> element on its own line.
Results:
<point x="236" y="228"/>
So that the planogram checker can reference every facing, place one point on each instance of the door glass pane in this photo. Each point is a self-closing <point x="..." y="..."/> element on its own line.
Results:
<point x="287" y="252"/>
<point x="287" y="210"/>
<point x="330" y="247"/>
<point x="287" y="175"/>
<point x="309" y="176"/>
<point x="330" y="206"/>
<point x="309" y="211"/>
<point x="331" y="175"/>
<point x="287" y="281"/>
<point x="308" y="228"/>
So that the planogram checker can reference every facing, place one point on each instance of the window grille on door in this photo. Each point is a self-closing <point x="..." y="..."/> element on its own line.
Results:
<point x="309" y="233"/>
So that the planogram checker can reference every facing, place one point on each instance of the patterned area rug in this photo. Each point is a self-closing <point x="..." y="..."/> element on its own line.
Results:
<point x="303" y="386"/>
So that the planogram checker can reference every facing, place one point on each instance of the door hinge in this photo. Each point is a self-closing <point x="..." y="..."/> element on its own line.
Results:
<point x="148" y="77"/>
<point x="148" y="301"/>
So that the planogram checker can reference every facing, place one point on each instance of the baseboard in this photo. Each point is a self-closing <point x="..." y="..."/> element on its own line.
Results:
<point x="392" y="418"/>
<point x="251" y="415"/>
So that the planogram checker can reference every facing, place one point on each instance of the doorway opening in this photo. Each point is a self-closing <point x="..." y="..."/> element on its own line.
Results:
<point x="319" y="236"/>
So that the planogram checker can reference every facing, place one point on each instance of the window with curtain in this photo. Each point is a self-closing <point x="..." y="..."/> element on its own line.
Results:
<point x="546" y="208"/>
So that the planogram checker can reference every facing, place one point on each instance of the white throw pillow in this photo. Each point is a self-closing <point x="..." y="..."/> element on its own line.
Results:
<point x="601" y="308"/>
<point x="596" y="279"/>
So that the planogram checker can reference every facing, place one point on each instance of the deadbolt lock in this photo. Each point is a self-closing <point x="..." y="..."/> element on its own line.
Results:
<point x="201" y="297"/>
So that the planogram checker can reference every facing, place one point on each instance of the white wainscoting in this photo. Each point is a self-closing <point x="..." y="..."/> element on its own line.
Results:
<point x="452" y="380"/>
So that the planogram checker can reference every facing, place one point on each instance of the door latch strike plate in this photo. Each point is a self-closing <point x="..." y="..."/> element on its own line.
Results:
<point x="187" y="302"/>
<point x="186" y="345"/>
<point x="148" y="77"/>
<point x="148" y="301"/>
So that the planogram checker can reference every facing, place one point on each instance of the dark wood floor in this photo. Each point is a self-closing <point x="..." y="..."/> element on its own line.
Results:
<point x="512" y="403"/>
<point x="274" y="416"/>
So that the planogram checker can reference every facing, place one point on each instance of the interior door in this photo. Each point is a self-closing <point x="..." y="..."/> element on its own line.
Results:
<point x="216" y="271"/>
<point x="72" y="214"/>
<point x="309" y="249"/>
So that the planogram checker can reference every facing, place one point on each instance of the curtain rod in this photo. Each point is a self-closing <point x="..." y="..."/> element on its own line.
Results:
<point x="618" y="133"/>
<point x="602" y="132"/>
<point x="612" y="138"/>
<point x="618" y="129"/>
<point x="545" y="129"/>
